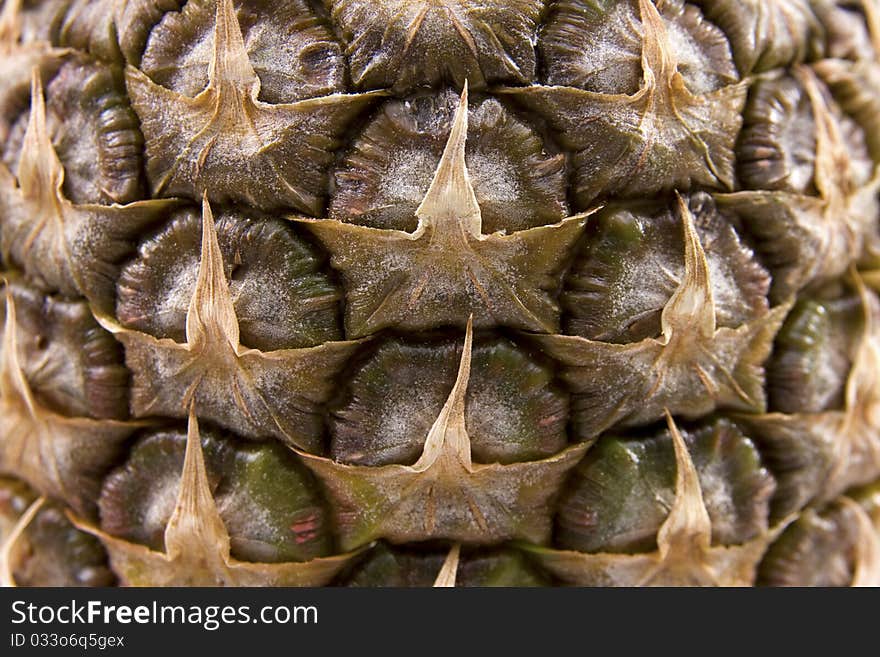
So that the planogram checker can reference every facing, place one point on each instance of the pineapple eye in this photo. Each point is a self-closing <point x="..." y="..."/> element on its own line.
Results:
<point x="518" y="182"/>
<point x="766" y="35"/>
<point x="777" y="146"/>
<point x="404" y="44"/>
<point x="822" y="547"/>
<point x="292" y="51"/>
<point x="282" y="298"/>
<point x="266" y="499"/>
<point x="52" y="552"/>
<point x="514" y="412"/>
<point x="632" y="261"/>
<point x="399" y="566"/>
<point x="594" y="46"/>
<point x="72" y="365"/>
<point x="94" y="132"/>
<point x="621" y="493"/>
<point x="813" y="355"/>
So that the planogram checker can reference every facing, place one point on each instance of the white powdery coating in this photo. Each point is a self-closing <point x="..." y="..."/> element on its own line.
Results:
<point x="408" y="176"/>
<point x="245" y="519"/>
<point x="270" y="296"/>
<point x="493" y="177"/>
<point x="647" y="284"/>
<point x="180" y="284"/>
<point x="691" y="57"/>
<point x="409" y="173"/>
<point x="718" y="497"/>
<point x="400" y="414"/>
<point x="725" y="292"/>
<point x="267" y="304"/>
<point x="617" y="43"/>
<point x="829" y="374"/>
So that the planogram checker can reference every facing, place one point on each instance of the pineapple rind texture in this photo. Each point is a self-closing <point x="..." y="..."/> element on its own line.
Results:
<point x="450" y="293"/>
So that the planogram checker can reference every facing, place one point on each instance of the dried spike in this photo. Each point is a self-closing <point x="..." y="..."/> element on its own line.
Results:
<point x="862" y="386"/>
<point x="871" y="278"/>
<point x="195" y="527"/>
<point x="692" y="305"/>
<point x="867" y="547"/>
<point x="13" y="385"/>
<point x="276" y="154"/>
<point x="832" y="166"/>
<point x="861" y="417"/>
<point x="62" y="457"/>
<point x="10" y="23"/>
<point x="450" y="201"/>
<point x="40" y="172"/>
<point x="658" y="57"/>
<point x="448" y="436"/>
<point x="230" y="64"/>
<point x="449" y="571"/>
<point x="872" y="17"/>
<point x="211" y="314"/>
<point x="6" y="568"/>
<point x="688" y="527"/>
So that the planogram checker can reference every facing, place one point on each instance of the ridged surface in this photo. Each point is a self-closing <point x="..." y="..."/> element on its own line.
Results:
<point x="440" y="292"/>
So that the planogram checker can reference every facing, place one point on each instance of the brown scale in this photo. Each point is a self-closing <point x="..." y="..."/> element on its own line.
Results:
<point x="259" y="394"/>
<point x="814" y="210"/>
<point x="228" y="142"/>
<point x="267" y="500"/>
<point x="767" y="34"/>
<point x="848" y="28"/>
<point x="79" y="449"/>
<point x="445" y="493"/>
<point x="856" y="88"/>
<point x="813" y="354"/>
<point x="817" y="455"/>
<point x="592" y="46"/>
<point x="94" y="133"/>
<point x="20" y="51"/>
<point x="448" y="270"/>
<point x="692" y="366"/>
<point x="40" y="20"/>
<point x="61" y="245"/>
<point x="681" y="71"/>
<point x="689" y="546"/>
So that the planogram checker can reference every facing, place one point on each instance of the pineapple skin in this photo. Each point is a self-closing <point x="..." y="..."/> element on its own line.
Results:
<point x="497" y="293"/>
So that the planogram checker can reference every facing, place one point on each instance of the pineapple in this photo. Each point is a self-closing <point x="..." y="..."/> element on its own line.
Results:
<point x="440" y="292"/>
